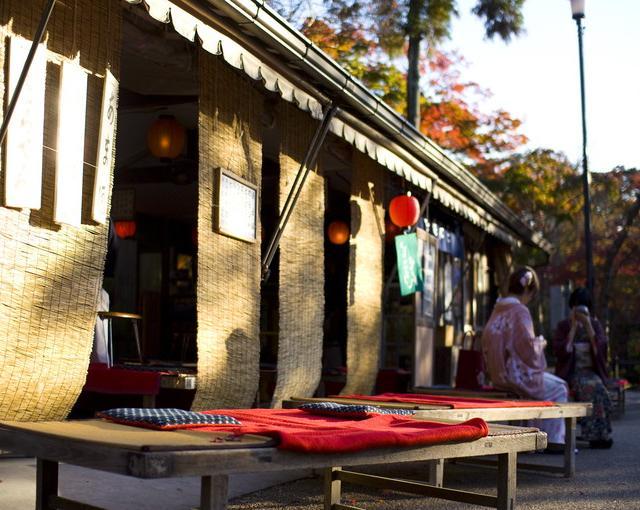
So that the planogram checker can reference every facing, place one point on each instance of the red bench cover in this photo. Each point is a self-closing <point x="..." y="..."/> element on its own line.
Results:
<point x="300" y="431"/>
<point x="122" y="381"/>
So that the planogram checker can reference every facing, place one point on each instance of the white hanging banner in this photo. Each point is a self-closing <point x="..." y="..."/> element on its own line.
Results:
<point x="23" y="171"/>
<point x="106" y="146"/>
<point x="72" y="107"/>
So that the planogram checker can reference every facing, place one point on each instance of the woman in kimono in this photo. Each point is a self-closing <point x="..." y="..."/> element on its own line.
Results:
<point x="580" y="346"/>
<point x="514" y="355"/>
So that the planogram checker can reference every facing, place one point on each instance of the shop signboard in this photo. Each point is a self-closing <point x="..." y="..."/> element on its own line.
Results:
<point x="106" y="138"/>
<point x="409" y="268"/>
<point x="23" y="170"/>
<point x="236" y="206"/>
<point x="429" y="251"/>
<point x="72" y="108"/>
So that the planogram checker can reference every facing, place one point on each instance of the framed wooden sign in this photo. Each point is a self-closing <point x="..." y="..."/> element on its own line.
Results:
<point x="236" y="206"/>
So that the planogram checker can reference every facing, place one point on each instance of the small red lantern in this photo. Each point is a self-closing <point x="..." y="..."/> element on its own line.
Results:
<point x="338" y="232"/>
<point x="166" y="137"/>
<point x="391" y="231"/>
<point x="404" y="210"/>
<point x="125" y="229"/>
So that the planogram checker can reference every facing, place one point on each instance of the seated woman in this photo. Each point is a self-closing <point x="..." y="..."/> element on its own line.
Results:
<point x="515" y="356"/>
<point x="580" y="346"/>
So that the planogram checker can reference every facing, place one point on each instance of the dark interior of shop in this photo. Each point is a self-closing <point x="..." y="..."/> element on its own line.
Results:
<point x="152" y="269"/>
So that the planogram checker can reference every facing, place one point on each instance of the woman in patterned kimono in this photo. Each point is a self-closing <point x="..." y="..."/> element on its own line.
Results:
<point x="580" y="346"/>
<point x="514" y="355"/>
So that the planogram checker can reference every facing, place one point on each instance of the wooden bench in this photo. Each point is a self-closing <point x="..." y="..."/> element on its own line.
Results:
<point x="144" y="453"/>
<point x="617" y="389"/>
<point x="569" y="411"/>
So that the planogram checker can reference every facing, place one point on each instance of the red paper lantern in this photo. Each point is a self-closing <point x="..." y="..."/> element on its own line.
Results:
<point x="338" y="232"/>
<point x="404" y="210"/>
<point x="391" y="231"/>
<point x="166" y="137"/>
<point x="125" y="229"/>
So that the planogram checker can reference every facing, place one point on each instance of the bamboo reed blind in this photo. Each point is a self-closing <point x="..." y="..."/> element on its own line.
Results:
<point x="228" y="286"/>
<point x="366" y="275"/>
<point x="50" y="275"/>
<point x="301" y="266"/>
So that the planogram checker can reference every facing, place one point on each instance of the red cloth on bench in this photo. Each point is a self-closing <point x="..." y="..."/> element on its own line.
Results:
<point x="446" y="400"/>
<point x="121" y="381"/>
<point x="300" y="431"/>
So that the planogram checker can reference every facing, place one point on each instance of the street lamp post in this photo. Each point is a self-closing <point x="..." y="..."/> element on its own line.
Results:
<point x="577" y="10"/>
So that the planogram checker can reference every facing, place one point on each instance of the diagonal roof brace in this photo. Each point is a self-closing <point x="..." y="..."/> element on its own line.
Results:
<point x="307" y="163"/>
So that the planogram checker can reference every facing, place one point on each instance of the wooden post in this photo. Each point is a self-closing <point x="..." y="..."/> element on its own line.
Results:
<point x="332" y="488"/>
<point x="214" y="491"/>
<point x="570" y="447"/>
<point x="46" y="483"/>
<point x="507" y="473"/>
<point x="436" y="472"/>
<point x="149" y="401"/>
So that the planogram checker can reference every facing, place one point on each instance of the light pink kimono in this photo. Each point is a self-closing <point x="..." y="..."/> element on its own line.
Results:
<point x="513" y="354"/>
<point x="515" y="361"/>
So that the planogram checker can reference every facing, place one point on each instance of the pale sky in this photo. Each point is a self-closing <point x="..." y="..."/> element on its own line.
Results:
<point x="536" y="76"/>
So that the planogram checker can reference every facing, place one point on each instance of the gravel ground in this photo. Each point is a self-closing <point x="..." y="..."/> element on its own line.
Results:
<point x="604" y="479"/>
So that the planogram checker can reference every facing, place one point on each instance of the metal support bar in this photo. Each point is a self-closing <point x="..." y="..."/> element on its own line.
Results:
<point x="307" y="162"/>
<point x="588" y="245"/>
<point x="44" y="21"/>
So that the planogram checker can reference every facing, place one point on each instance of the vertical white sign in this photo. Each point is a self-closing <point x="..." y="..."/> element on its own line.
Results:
<point x="72" y="108"/>
<point x="23" y="177"/>
<point x="106" y="141"/>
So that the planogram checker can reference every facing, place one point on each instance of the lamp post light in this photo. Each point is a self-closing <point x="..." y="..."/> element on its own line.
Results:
<point x="577" y="10"/>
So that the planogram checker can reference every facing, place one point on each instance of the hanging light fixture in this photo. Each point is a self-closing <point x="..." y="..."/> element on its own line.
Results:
<point x="338" y="232"/>
<point x="125" y="228"/>
<point x="166" y="137"/>
<point x="404" y="210"/>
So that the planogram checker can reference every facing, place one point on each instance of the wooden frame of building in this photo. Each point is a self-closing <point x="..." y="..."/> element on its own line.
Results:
<point x="253" y="71"/>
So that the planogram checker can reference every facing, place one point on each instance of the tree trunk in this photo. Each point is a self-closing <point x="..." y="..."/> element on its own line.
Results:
<point x="413" y="82"/>
<point x="413" y="64"/>
<point x="609" y="265"/>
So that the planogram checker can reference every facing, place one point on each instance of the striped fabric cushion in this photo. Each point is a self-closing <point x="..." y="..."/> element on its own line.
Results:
<point x="350" y="410"/>
<point x="165" y="419"/>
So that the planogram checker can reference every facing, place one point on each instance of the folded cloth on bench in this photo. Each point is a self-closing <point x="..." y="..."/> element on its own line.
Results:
<point x="453" y="402"/>
<point x="164" y="419"/>
<point x="300" y="431"/>
<point x="356" y="411"/>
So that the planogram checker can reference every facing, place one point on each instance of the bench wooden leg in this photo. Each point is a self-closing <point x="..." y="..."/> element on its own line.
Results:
<point x="436" y="472"/>
<point x="570" y="447"/>
<point x="214" y="492"/>
<point x="46" y="483"/>
<point x="507" y="473"/>
<point x="332" y="488"/>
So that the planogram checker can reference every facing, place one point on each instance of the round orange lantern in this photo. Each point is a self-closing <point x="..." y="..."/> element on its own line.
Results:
<point x="338" y="232"/>
<point x="404" y="210"/>
<point x="125" y="229"/>
<point x="166" y="137"/>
